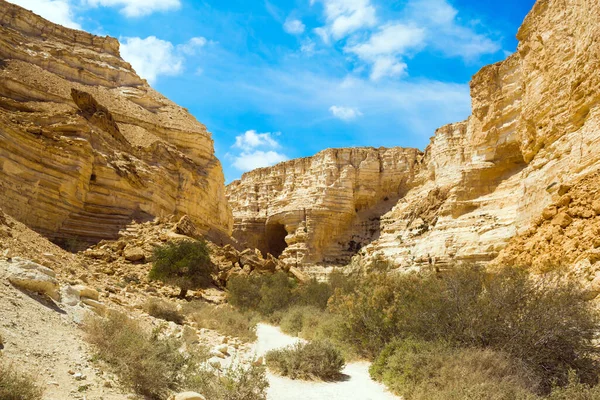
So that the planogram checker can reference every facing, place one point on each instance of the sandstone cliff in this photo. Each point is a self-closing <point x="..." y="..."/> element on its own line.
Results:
<point x="321" y="208"/>
<point x="86" y="145"/>
<point x="534" y="128"/>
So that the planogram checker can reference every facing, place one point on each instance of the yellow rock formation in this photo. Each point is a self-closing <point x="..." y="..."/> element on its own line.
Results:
<point x="86" y="145"/>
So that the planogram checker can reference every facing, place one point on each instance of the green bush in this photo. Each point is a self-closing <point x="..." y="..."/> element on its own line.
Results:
<point x="266" y="294"/>
<point x="314" y="294"/>
<point x="224" y="319"/>
<point x="15" y="385"/>
<point x="235" y="383"/>
<point x="310" y="360"/>
<point x="299" y="319"/>
<point x="185" y="264"/>
<point x="163" y="310"/>
<point x="418" y="370"/>
<point x="544" y="324"/>
<point x="151" y="366"/>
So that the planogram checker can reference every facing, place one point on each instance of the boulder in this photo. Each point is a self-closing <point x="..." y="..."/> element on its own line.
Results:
<point x="96" y="306"/>
<point x="187" y="396"/>
<point x="134" y="254"/>
<point x="186" y="227"/>
<point x="86" y="291"/>
<point x="27" y="275"/>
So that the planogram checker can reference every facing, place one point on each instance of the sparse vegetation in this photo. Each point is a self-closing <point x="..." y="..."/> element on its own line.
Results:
<point x="418" y="370"/>
<point x="266" y="294"/>
<point x="185" y="264"/>
<point x="164" y="310"/>
<point x="235" y="383"/>
<point x="224" y="319"/>
<point x="543" y="324"/>
<point x="310" y="360"/>
<point x="15" y="385"/>
<point x="150" y="365"/>
<point x="153" y="366"/>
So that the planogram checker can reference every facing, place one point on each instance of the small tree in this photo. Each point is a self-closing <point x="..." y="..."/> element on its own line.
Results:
<point x="185" y="264"/>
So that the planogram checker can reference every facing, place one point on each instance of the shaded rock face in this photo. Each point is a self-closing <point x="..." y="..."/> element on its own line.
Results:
<point x="86" y="145"/>
<point x="534" y="128"/>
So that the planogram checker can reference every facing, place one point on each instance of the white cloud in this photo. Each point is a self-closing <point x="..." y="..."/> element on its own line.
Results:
<point x="294" y="26"/>
<point x="251" y="140"/>
<point x="258" y="159"/>
<point x="192" y="45"/>
<point x="137" y="8"/>
<point x="257" y="150"/>
<point x="347" y="16"/>
<point x="345" y="113"/>
<point x="387" y="67"/>
<point x="385" y="46"/>
<point x="57" y="11"/>
<point x="446" y="34"/>
<point x="151" y="57"/>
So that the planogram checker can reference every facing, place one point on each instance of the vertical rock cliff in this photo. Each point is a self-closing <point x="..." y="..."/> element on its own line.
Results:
<point x="534" y="129"/>
<point x="322" y="208"/>
<point x="87" y="146"/>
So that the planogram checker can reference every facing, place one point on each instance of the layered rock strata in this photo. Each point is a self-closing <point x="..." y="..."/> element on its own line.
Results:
<point x="86" y="145"/>
<point x="321" y="208"/>
<point x="534" y="128"/>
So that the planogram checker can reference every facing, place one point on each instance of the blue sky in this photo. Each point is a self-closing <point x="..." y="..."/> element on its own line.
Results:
<point x="280" y="79"/>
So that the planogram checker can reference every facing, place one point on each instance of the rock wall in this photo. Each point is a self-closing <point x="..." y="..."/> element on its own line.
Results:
<point x="534" y="128"/>
<point x="86" y="145"/>
<point x="321" y="208"/>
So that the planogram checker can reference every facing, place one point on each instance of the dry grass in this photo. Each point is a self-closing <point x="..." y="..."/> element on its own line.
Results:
<point x="164" y="310"/>
<point x="150" y="365"/>
<point x="224" y="319"/>
<point x="15" y="385"/>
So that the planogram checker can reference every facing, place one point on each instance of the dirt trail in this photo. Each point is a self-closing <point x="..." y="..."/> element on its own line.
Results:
<point x="358" y="386"/>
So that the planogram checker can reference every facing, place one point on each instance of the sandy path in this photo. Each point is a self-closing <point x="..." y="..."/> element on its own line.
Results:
<point x="359" y="385"/>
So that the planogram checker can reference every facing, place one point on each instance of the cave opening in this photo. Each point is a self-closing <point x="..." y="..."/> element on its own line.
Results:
<point x="275" y="234"/>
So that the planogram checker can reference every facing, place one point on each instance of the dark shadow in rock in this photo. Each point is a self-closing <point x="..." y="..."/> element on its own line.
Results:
<point x="43" y="300"/>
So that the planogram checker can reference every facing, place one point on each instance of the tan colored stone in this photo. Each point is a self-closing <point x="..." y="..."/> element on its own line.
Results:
<point x="30" y="276"/>
<point x="187" y="396"/>
<point x="86" y="291"/>
<point x="562" y="219"/>
<point x="86" y="145"/>
<point x="134" y="254"/>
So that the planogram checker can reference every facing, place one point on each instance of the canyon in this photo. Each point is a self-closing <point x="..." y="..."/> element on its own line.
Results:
<point x="534" y="131"/>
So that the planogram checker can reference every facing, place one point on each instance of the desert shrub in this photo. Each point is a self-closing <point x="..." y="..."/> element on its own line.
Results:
<point x="224" y="319"/>
<point x="235" y="383"/>
<point x="310" y="360"/>
<point x="418" y="370"/>
<point x="575" y="390"/>
<point x="164" y="310"/>
<point x="544" y="324"/>
<point x="313" y="293"/>
<point x="150" y="365"/>
<point x="185" y="264"/>
<point x="266" y="294"/>
<point x="15" y="385"/>
<point x="297" y="319"/>
<point x="342" y="282"/>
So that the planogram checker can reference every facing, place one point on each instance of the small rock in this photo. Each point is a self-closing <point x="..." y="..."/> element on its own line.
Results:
<point x="562" y="219"/>
<point x="86" y="291"/>
<point x="134" y="254"/>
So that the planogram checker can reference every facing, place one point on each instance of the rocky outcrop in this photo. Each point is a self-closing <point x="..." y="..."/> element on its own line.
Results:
<point x="86" y="146"/>
<point x="321" y="208"/>
<point x="534" y="129"/>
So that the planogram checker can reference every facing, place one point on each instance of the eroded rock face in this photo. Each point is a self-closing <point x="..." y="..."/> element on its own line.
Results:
<point x="86" y="145"/>
<point x="321" y="208"/>
<point x="534" y="129"/>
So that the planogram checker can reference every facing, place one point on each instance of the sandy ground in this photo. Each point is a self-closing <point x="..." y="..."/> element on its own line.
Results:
<point x="358" y="385"/>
